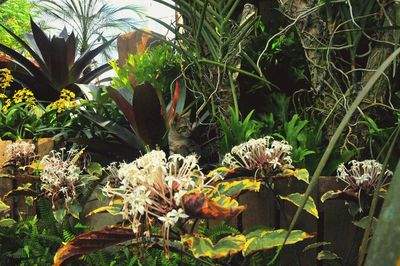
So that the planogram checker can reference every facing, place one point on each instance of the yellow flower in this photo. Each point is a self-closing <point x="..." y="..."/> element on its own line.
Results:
<point x="5" y="78"/>
<point x="66" y="101"/>
<point x="3" y="96"/>
<point x="6" y="105"/>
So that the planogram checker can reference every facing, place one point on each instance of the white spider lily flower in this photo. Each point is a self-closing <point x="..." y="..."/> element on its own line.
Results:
<point x="362" y="175"/>
<point x="20" y="152"/>
<point x="152" y="186"/>
<point x="259" y="154"/>
<point x="60" y="176"/>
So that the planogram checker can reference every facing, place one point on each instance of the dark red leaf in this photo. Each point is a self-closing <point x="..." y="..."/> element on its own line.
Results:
<point x="92" y="241"/>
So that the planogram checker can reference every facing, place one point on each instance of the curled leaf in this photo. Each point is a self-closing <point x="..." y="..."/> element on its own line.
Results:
<point x="197" y="205"/>
<point x="92" y="241"/>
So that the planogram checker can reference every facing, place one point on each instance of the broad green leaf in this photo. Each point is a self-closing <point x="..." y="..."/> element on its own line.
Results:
<point x="327" y="195"/>
<point x="75" y="210"/>
<point x="3" y="206"/>
<point x="363" y="223"/>
<point x="302" y="174"/>
<point x="316" y="245"/>
<point x="7" y="222"/>
<point x="86" y="179"/>
<point x="59" y="214"/>
<point x="95" y="169"/>
<point x="271" y="239"/>
<point x="203" y="247"/>
<point x="327" y="255"/>
<point x="297" y="198"/>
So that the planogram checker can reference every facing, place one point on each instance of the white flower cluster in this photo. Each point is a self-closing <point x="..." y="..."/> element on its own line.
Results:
<point x="362" y="174"/>
<point x="152" y="187"/>
<point x="258" y="154"/>
<point x="60" y="176"/>
<point x="21" y="152"/>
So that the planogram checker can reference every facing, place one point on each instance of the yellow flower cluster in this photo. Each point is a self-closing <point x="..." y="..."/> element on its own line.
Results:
<point x="5" y="78"/>
<point x="66" y="101"/>
<point x="22" y="95"/>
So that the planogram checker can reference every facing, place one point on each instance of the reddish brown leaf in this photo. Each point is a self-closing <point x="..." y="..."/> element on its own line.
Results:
<point x="92" y="241"/>
<point x="174" y="102"/>
<point x="197" y="205"/>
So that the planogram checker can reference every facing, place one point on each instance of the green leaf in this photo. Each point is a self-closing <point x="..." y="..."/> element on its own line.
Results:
<point x="3" y="206"/>
<point x="271" y="239"/>
<point x="95" y="169"/>
<point x="59" y="214"/>
<point x="297" y="198"/>
<point x="7" y="222"/>
<point x="203" y="247"/>
<point x="302" y="174"/>
<point x="363" y="223"/>
<point x="75" y="210"/>
<point x="327" y="195"/>
<point x="86" y="179"/>
<point x="114" y="209"/>
<point x="327" y="255"/>
<point x="316" y="245"/>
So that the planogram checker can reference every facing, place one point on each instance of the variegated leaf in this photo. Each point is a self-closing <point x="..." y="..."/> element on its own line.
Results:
<point x="203" y="247"/>
<point x="264" y="240"/>
<point x="297" y="199"/>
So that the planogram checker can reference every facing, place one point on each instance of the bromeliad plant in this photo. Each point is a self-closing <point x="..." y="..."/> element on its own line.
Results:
<point x="55" y="66"/>
<point x="162" y="198"/>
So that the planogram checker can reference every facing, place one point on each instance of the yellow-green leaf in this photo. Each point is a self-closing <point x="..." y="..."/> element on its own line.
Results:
<point x="3" y="206"/>
<point x="225" y="201"/>
<point x="271" y="239"/>
<point x="203" y="247"/>
<point x="114" y="209"/>
<point x="327" y="195"/>
<point x="7" y="222"/>
<point x="233" y="188"/>
<point x="316" y="245"/>
<point x="297" y="199"/>
<point x="327" y="255"/>
<point x="300" y="174"/>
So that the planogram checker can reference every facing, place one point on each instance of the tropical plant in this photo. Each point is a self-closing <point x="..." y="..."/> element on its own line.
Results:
<point x="159" y="66"/>
<point x="23" y="117"/>
<point x="17" y="22"/>
<point x="92" y="20"/>
<point x="211" y="43"/>
<point x="56" y="67"/>
<point x="236" y="131"/>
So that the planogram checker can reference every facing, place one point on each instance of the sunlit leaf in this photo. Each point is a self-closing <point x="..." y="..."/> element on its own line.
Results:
<point x="300" y="174"/>
<point x="95" y="169"/>
<point x="75" y="210"/>
<point x="92" y="241"/>
<point x="327" y="255"/>
<point x="271" y="239"/>
<point x="297" y="198"/>
<point x="328" y="195"/>
<point x="203" y="247"/>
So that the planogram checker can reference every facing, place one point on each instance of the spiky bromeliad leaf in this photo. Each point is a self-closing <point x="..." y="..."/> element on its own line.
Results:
<point x="263" y="240"/>
<point x="55" y="57"/>
<point x="92" y="241"/>
<point x="203" y="247"/>
<point x="297" y="198"/>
